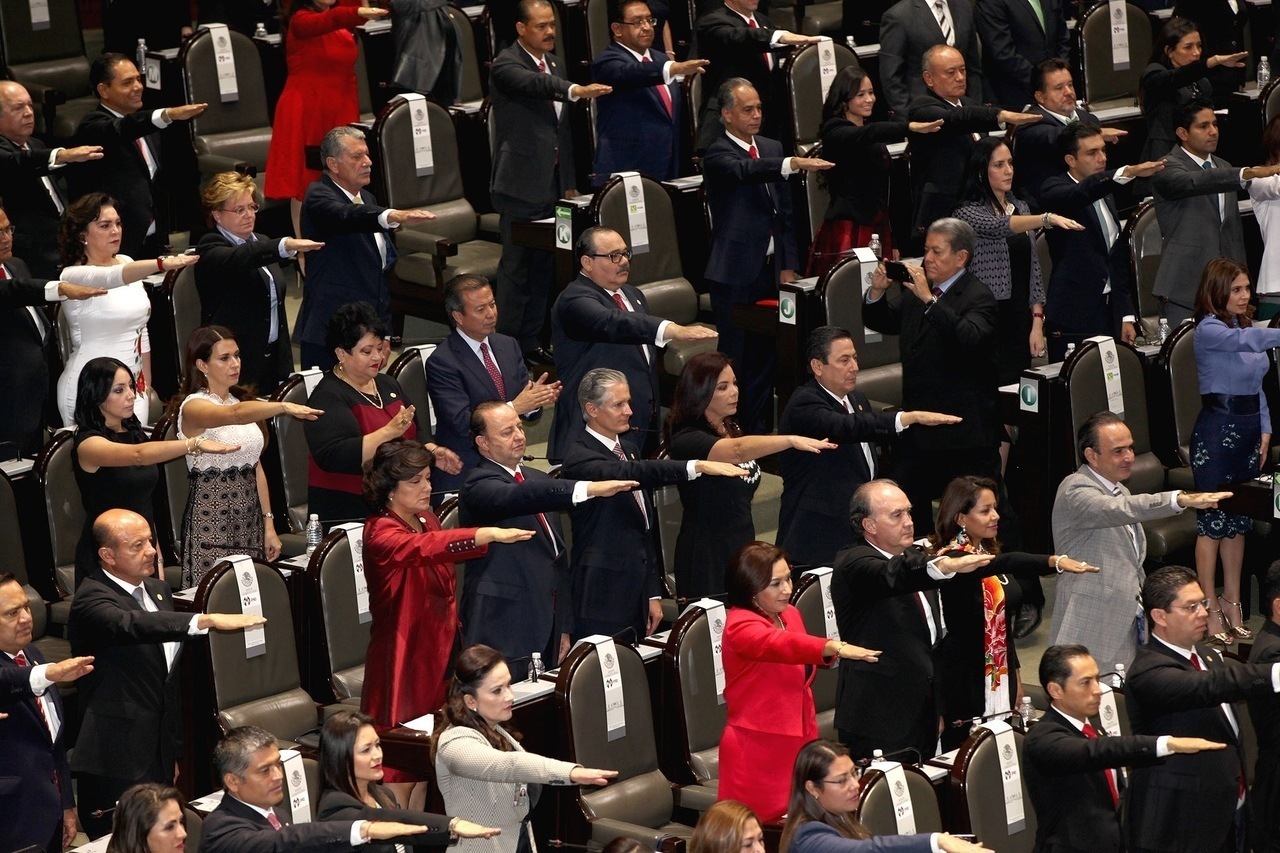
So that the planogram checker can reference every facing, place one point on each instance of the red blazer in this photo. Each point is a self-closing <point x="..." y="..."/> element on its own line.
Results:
<point x="766" y="682"/>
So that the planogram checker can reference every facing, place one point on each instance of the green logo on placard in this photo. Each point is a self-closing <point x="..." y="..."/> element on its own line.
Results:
<point x="788" y="307"/>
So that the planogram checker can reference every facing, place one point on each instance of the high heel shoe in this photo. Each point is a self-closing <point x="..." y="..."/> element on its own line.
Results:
<point x="1238" y="629"/>
<point x="1224" y="637"/>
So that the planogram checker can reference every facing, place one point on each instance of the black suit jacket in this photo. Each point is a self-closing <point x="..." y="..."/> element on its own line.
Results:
<point x="1187" y="803"/>
<point x="122" y="172"/>
<point x="349" y="267"/>
<point x="734" y="49"/>
<point x="938" y="159"/>
<point x="1221" y="32"/>
<point x="907" y="29"/>
<point x="589" y="330"/>
<point x="948" y="361"/>
<point x="1264" y="714"/>
<point x="1068" y="785"/>
<point x="24" y="383"/>
<point x="1013" y="42"/>
<point x="27" y="203"/>
<point x="235" y="828"/>
<point x="615" y="567"/>
<point x="233" y="282"/>
<point x="132" y="703"/>
<point x="516" y="594"/>
<point x="813" y="522"/>
<point x="1036" y="157"/>
<point x="529" y="140"/>
<point x="35" y="780"/>
<point x="336" y="805"/>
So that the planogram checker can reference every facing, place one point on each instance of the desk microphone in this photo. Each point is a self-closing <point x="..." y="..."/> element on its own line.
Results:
<point x="866" y="762"/>
<point x="719" y="596"/>
<point x="564" y="845"/>
<point x="955" y="724"/>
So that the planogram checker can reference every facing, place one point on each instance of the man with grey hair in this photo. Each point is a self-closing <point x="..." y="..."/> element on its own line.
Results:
<point x="947" y="319"/>
<point x="616" y="575"/>
<point x="339" y="212"/>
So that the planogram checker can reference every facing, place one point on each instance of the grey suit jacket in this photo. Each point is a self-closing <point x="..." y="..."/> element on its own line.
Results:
<point x="1092" y="525"/>
<point x="1194" y="232"/>
<point x="528" y="138"/>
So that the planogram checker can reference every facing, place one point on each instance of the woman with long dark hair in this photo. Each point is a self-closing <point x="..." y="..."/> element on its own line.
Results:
<point x="1232" y="435"/>
<point x="717" y="510"/>
<point x="859" y="181"/>
<point x="483" y="773"/>
<point x="148" y="819"/>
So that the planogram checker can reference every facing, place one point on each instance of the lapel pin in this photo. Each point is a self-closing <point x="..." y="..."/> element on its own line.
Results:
<point x="393" y="395"/>
<point x="159" y="597"/>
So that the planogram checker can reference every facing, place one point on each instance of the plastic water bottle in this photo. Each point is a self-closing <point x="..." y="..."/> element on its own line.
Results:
<point x="1027" y="712"/>
<point x="315" y="532"/>
<point x="535" y="666"/>
<point x="875" y="246"/>
<point x="1070" y="349"/>
<point x="1264" y="72"/>
<point x="877" y="755"/>
<point x="974" y="725"/>
<point x="1164" y="330"/>
<point x="141" y="55"/>
<point x="260" y="31"/>
<point x="1117" y="680"/>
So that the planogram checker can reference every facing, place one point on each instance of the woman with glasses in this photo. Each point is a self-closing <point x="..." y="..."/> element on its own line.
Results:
<point x="821" y="818"/>
<point x="241" y="283"/>
<point x="769" y="663"/>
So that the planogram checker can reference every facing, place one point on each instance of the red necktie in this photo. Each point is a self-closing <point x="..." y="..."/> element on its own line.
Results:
<point x="492" y="370"/>
<point x="617" y="298"/>
<point x="768" y="60"/>
<point x="752" y="152"/>
<point x="4" y="273"/>
<point x="542" y="66"/>
<point x="555" y="548"/>
<point x="273" y="820"/>
<point x="639" y="499"/>
<point x="663" y="93"/>
<point x="1091" y="733"/>
<point x="21" y="660"/>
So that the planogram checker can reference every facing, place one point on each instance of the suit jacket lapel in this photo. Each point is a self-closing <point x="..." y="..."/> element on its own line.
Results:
<point x="468" y="361"/>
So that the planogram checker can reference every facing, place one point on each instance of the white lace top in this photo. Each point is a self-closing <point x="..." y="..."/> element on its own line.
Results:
<point x="248" y="436"/>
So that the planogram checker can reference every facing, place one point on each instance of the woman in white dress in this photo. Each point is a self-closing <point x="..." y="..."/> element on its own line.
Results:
<point x="229" y="508"/>
<point x="1265" y="195"/>
<point x="114" y="324"/>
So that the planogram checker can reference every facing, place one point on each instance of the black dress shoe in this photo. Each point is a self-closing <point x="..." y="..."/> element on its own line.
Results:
<point x="1026" y="621"/>
<point x="539" y="355"/>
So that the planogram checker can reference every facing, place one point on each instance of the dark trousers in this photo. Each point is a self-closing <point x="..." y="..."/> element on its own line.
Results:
<point x="754" y="355"/>
<point x="923" y="739"/>
<point x="524" y="274"/>
<point x="100" y="793"/>
<point x="316" y="355"/>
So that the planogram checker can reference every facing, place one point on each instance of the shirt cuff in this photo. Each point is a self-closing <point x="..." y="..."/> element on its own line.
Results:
<point x="869" y="299"/>
<point x="1173" y="500"/>
<point x="787" y="171"/>
<point x="1275" y="677"/>
<point x="1243" y="181"/>
<point x="51" y="293"/>
<point x="1128" y="318"/>
<point x="1162" y="745"/>
<point x="666" y="73"/>
<point x="776" y="38"/>
<point x="157" y="117"/>
<point x="284" y="252"/>
<point x="53" y="159"/>
<point x="691" y="467"/>
<point x="385" y="222"/>
<point x="934" y="844"/>
<point x="194" y="629"/>
<point x="580" y="492"/>
<point x="937" y="573"/>
<point x="39" y="681"/>
<point x="356" y="838"/>
<point x="898" y="425"/>
<point x="1122" y="176"/>
<point x="660" y="339"/>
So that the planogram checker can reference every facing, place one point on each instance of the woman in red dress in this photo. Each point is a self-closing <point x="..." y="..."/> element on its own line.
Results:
<point x="319" y="90"/>
<point x="769" y="663"/>
<point x="408" y="565"/>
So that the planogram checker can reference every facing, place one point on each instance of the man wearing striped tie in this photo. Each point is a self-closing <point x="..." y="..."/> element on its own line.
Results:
<point x="910" y="27"/>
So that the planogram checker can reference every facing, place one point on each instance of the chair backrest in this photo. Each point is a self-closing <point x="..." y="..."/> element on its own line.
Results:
<point x="186" y="311"/>
<point x="880" y="376"/>
<point x="807" y="598"/>
<point x="1179" y="360"/>
<point x="408" y="371"/>
<point x="175" y="487"/>
<point x="11" y="531"/>
<point x="364" y="94"/>
<point x="876" y="810"/>
<point x="195" y="830"/>
<point x="662" y="260"/>
<point x="291" y="444"/>
<point x="690" y="664"/>
<point x="1142" y="236"/>
<point x="441" y="191"/>
<point x="265" y="690"/>
<point x="817" y="194"/>
<point x="239" y="128"/>
<point x="976" y="780"/>
<point x="804" y="89"/>
<point x="471" y="92"/>
<point x="1102" y="80"/>
<point x="449" y="512"/>
<point x="1270" y="98"/>
<point x="598" y="33"/>
<point x="1042" y="255"/>
<point x="51" y="56"/>
<point x="345" y="637"/>
<point x="62" y="506"/>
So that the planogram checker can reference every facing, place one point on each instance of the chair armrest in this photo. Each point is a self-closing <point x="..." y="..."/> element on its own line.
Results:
<point x="210" y="164"/>
<point x="604" y="830"/>
<point x="414" y="240"/>
<point x="699" y="798"/>
<point x="45" y="95"/>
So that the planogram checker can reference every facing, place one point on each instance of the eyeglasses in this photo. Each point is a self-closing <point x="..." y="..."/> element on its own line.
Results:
<point x="846" y="780"/>
<point x="1194" y="607"/>
<point x="8" y="232"/>
<point x="242" y="210"/>
<point x="650" y="22"/>
<point x="617" y="257"/>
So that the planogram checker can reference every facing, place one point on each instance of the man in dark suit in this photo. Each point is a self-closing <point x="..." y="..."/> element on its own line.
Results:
<point x="1089" y="291"/>
<point x="532" y="163"/>
<point x="130" y="166"/>
<point x="753" y="246"/>
<point x="28" y="345"/>
<point x="358" y="254"/>
<point x="617" y="575"/>
<point x="1264" y="715"/>
<point x="1015" y="35"/>
<point x="883" y="587"/>
<point x="1176" y="688"/>
<point x="123" y="617"/>
<point x="248" y="819"/>
<point x="737" y="40"/>
<point x="813" y="525"/>
<point x="938" y="159"/>
<point x="516" y="598"/>
<point x="601" y="321"/>
<point x="1071" y="767"/>
<point x="36" y="799"/>
<point x="475" y="364"/>
<point x="30" y="173"/>
<point x="946" y="317"/>
<point x="908" y="29"/>
<point x="639" y="124"/>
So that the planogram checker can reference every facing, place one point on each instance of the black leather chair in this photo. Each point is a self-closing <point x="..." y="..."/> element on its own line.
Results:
<point x="343" y="638"/>
<point x="1104" y="84"/>
<point x="1142" y="235"/>
<point x="804" y="84"/>
<point x="876" y="811"/>
<point x="689" y="673"/>
<point x="51" y="63"/>
<point x="807" y="598"/>
<point x="880" y="374"/>
<point x="978" y="795"/>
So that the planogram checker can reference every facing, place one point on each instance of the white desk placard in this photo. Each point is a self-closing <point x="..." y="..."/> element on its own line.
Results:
<point x="1118" y="18"/>
<point x="1010" y="774"/>
<point x="295" y="780"/>
<point x="823" y="574"/>
<point x="39" y="14"/>
<point x="224" y="57"/>
<point x="426" y="723"/>
<point x="424" y="162"/>
<point x="98" y="845"/>
<point x="255" y="639"/>
<point x="826" y="64"/>
<point x="899" y="794"/>
<point x="310" y="378"/>
<point x="615" y="712"/>
<point x="715" y="632"/>
<point x="637" y="220"/>
<point x="355" y="541"/>
<point x="1111" y="373"/>
<point x="1108" y="712"/>
<point x="867" y="262"/>
<point x="151" y="72"/>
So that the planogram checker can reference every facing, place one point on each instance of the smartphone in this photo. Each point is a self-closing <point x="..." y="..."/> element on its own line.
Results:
<point x="897" y="271"/>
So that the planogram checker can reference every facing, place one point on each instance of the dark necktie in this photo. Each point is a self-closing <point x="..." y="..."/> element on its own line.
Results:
<point x="937" y="292"/>
<point x="1217" y="197"/>
<point x="137" y="596"/>
<point x="492" y="370"/>
<point x="1226" y="712"/>
<point x="555" y="546"/>
<point x="939" y="11"/>
<point x="639" y="498"/>
<point x="21" y="660"/>
<point x="1090" y="732"/>
<point x="768" y="60"/>
<point x="617" y="299"/>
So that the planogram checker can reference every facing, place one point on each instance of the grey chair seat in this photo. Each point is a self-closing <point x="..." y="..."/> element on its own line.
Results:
<point x="54" y="649"/>
<point x="1166" y="535"/>
<point x="292" y="545"/>
<point x="286" y="715"/>
<point x="706" y="765"/>
<point x="349" y="683"/>
<point x="822" y="19"/>
<point x="68" y="117"/>
<point x="827" y="724"/>
<point x="676" y="354"/>
<point x="248" y="145"/>
<point x="1182" y="478"/>
<point x="882" y="384"/>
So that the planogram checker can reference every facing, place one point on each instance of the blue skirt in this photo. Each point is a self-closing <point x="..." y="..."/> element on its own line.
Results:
<point x="1224" y="449"/>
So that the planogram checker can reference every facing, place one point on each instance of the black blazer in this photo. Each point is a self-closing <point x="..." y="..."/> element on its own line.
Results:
<point x="1164" y="89"/>
<point x="233" y="282"/>
<point x="859" y="182"/>
<point x="235" y="828"/>
<point x="37" y="778"/>
<point x="734" y="49"/>
<point x="1187" y="803"/>
<point x="28" y="205"/>
<point x="1013" y="42"/>
<point x="336" y="805"/>
<point x="24" y="383"/>
<point x="1036" y="157"/>
<point x="948" y="361"/>
<point x="938" y="159"/>
<point x="1068" y="785"/>
<point x="813" y="522"/>
<point x="349" y="267"/>
<point x="529" y="140"/>
<point x="615" y="567"/>
<point x="589" y="330"/>
<point x="907" y="29"/>
<point x="122" y="172"/>
<point x="1221" y="32"/>
<point x="516" y="594"/>
<point x="132" y="704"/>
<point x="1264" y="714"/>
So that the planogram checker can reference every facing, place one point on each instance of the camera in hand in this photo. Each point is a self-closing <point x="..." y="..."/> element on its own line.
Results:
<point x="897" y="271"/>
